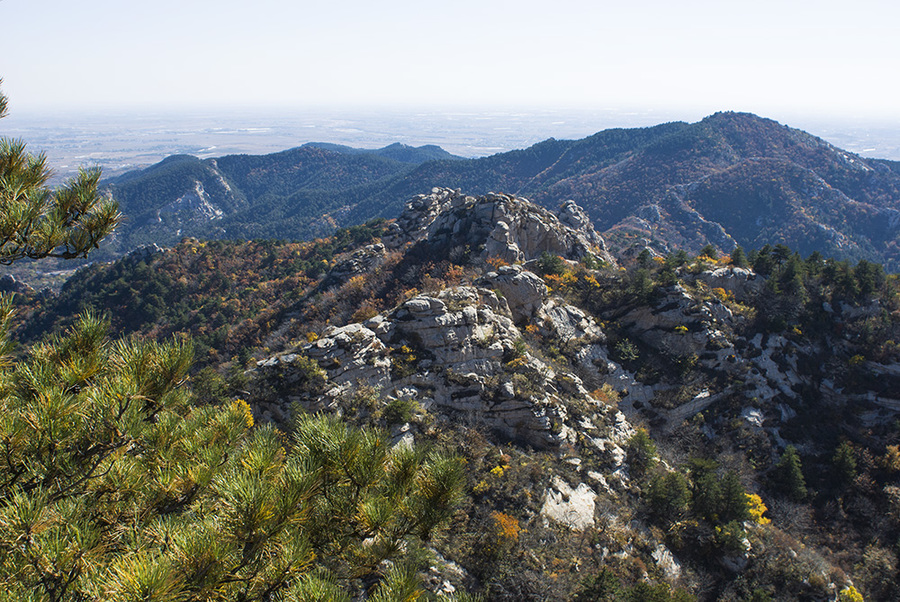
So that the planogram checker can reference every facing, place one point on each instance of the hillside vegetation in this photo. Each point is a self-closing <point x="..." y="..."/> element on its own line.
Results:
<point x="680" y="426"/>
<point x="478" y="397"/>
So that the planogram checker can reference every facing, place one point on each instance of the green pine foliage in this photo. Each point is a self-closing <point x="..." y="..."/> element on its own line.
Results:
<point x="115" y="486"/>
<point x="788" y="475"/>
<point x="36" y="222"/>
<point x="844" y="461"/>
<point x="641" y="452"/>
<point x="669" y="496"/>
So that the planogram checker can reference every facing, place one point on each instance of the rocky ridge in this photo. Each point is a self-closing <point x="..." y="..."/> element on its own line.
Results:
<point x="496" y="225"/>
<point x="732" y="178"/>
<point x="510" y="354"/>
<point x="459" y="355"/>
<point x="462" y="352"/>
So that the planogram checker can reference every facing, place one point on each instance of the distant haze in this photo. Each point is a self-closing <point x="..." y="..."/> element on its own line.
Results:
<point x="120" y="141"/>
<point x="124" y="84"/>
<point x="773" y="58"/>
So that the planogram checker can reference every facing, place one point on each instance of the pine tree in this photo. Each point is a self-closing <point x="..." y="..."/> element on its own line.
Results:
<point x="641" y="452"/>
<point x="739" y="258"/>
<point x="735" y="505"/>
<point x="788" y="475"/>
<point x="709" y="251"/>
<point x="844" y="462"/>
<point x="116" y="485"/>
<point x="707" y="488"/>
<point x="37" y="222"/>
<point x="669" y="496"/>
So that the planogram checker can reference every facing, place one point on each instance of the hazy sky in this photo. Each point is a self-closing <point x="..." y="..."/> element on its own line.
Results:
<point x="771" y="57"/>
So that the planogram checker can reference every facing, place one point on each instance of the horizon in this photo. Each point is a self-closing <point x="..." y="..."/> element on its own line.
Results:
<point x="826" y="70"/>
<point x="126" y="139"/>
<point x="766" y="57"/>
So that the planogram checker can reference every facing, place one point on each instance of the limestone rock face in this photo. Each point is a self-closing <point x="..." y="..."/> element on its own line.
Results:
<point x="740" y="282"/>
<point x="462" y="340"/>
<point x="682" y="324"/>
<point x="570" y="324"/>
<point x="666" y="562"/>
<point x="524" y="291"/>
<point x="352" y="353"/>
<point x="359" y="262"/>
<point x="496" y="225"/>
<point x="459" y="355"/>
<point x="572" y="507"/>
<point x="196" y="204"/>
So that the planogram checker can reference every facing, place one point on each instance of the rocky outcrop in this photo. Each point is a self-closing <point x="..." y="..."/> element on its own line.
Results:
<point x="195" y="205"/>
<point x="524" y="291"/>
<point x="9" y="284"/>
<point x="496" y="225"/>
<point x="740" y="283"/>
<point x="145" y="253"/>
<point x="569" y="324"/>
<point x="682" y="324"/>
<point x="359" y="262"/>
<point x="459" y="355"/>
<point x="569" y="506"/>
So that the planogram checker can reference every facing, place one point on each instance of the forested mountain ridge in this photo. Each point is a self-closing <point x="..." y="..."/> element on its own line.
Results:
<point x="672" y="428"/>
<point x="732" y="178"/>
<point x="183" y="195"/>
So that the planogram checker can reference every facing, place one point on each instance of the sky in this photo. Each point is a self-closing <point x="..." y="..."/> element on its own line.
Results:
<point x="774" y="58"/>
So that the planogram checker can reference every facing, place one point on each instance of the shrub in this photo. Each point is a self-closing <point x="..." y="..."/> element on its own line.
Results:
<point x="731" y="538"/>
<point x="850" y="594"/>
<point x="403" y="362"/>
<point x="606" y="394"/>
<point x="503" y="533"/>
<point x="788" y="475"/>
<point x="709" y="251"/>
<point x="549" y="264"/>
<point x="589" y="261"/>
<point x="626" y="351"/>
<point x="757" y="508"/>
<point x="641" y="452"/>
<point x="399" y="411"/>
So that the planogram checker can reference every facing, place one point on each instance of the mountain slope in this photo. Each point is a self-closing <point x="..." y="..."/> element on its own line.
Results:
<point x="670" y="428"/>
<point x="730" y="179"/>
<point x="684" y="185"/>
<point x="184" y="196"/>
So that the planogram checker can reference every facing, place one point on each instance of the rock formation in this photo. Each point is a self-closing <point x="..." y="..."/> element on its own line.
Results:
<point x="496" y="225"/>
<point x="458" y="354"/>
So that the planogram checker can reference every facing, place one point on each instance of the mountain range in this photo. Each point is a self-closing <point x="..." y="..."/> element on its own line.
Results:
<point x="730" y="179"/>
